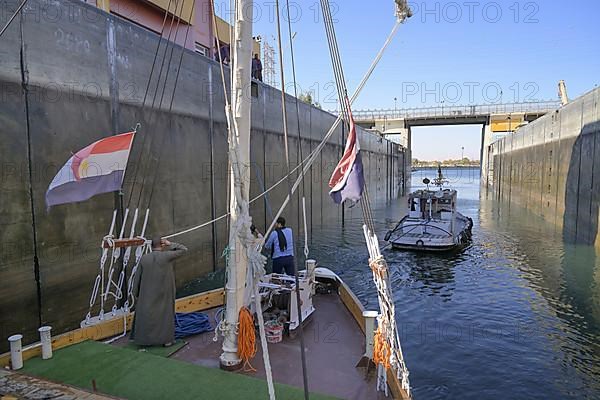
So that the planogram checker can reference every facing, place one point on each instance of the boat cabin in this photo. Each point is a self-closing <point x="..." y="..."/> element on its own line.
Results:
<point x="428" y="204"/>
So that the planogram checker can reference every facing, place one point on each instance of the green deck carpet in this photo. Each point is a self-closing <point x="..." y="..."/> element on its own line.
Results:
<point x="160" y="351"/>
<point x="135" y="375"/>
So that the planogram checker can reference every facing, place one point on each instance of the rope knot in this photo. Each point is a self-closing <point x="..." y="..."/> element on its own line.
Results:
<point x="378" y="266"/>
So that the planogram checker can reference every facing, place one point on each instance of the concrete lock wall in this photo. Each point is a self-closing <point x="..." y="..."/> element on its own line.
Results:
<point x="71" y="74"/>
<point x="552" y="167"/>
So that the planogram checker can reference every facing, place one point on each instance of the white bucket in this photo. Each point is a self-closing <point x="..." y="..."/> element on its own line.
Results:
<point x="16" y="357"/>
<point x="274" y="332"/>
<point x="46" y="340"/>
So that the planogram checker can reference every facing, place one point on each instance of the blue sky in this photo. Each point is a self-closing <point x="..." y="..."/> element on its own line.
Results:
<point x="459" y="52"/>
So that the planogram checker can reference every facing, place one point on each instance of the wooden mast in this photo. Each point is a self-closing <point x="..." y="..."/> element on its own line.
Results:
<point x="239" y="155"/>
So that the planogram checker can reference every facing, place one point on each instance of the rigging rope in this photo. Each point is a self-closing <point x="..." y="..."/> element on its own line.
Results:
<point x="12" y="17"/>
<point x="313" y="155"/>
<point x="160" y="38"/>
<point x="307" y="164"/>
<point x="296" y="100"/>
<point x="121" y="288"/>
<point x="388" y="351"/>
<point x="140" y="250"/>
<point x="161" y="148"/>
<point x="289" y="182"/>
<point x="157" y="169"/>
<point x="261" y="183"/>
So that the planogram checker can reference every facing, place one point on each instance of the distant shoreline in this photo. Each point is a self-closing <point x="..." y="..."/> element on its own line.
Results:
<point x="447" y="167"/>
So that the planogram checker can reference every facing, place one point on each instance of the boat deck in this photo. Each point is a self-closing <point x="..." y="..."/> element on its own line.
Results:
<point x="136" y="375"/>
<point x="333" y="342"/>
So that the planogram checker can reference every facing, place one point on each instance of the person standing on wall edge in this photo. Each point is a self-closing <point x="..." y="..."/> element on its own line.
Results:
<point x="154" y="290"/>
<point x="223" y="54"/>
<point x="281" y="245"/>
<point x="257" y="68"/>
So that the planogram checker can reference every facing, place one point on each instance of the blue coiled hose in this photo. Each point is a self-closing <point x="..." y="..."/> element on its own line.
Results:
<point x="188" y="324"/>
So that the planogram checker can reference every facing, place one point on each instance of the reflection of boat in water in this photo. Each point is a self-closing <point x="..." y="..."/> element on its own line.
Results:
<point x="432" y="223"/>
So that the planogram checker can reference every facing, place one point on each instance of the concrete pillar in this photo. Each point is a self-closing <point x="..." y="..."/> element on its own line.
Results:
<point x="408" y="160"/>
<point x="487" y="137"/>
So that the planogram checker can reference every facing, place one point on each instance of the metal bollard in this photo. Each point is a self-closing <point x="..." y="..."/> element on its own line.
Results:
<point x="46" y="340"/>
<point x="369" y="331"/>
<point x="16" y="357"/>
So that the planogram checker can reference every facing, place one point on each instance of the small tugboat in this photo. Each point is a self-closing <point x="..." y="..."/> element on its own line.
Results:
<point x="432" y="223"/>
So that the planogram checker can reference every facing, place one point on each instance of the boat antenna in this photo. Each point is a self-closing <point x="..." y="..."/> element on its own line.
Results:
<point x="440" y="180"/>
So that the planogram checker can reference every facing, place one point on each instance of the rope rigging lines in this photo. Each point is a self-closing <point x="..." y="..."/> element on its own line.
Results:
<point x="388" y="352"/>
<point x="151" y="167"/>
<point x="104" y="284"/>
<point x="308" y="162"/>
<point x="296" y="100"/>
<point x="12" y="17"/>
<point x="289" y="182"/>
<point x="144" y="137"/>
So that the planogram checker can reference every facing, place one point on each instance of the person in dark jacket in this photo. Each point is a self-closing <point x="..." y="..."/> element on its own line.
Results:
<point x="225" y="57"/>
<point x="257" y="68"/>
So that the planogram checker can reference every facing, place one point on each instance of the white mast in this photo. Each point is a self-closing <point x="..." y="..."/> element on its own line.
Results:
<point x="239" y="153"/>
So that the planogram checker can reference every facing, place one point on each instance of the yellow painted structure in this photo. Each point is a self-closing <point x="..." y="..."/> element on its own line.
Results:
<point x="506" y="122"/>
<point x="103" y="5"/>
<point x="181" y="10"/>
<point x="224" y="30"/>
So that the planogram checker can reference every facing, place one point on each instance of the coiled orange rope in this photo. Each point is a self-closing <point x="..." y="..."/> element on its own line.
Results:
<point x="246" y="338"/>
<point x="381" y="349"/>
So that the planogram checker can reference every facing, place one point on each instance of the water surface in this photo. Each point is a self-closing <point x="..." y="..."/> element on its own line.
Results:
<point x="515" y="315"/>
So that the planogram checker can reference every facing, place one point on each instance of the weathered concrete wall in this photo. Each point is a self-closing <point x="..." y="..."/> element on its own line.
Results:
<point x="552" y="167"/>
<point x="70" y="74"/>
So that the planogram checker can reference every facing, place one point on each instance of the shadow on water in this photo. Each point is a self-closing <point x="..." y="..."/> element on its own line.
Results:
<point x="582" y="194"/>
<point x="580" y="222"/>
<point x="580" y="294"/>
<point x="562" y="268"/>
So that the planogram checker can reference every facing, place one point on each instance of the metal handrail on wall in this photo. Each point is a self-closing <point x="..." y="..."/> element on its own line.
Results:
<point x="455" y="111"/>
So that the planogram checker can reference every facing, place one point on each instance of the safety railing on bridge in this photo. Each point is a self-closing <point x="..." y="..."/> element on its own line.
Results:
<point x="443" y="111"/>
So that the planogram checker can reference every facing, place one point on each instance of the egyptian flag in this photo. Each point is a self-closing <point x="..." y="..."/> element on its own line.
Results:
<point x="347" y="181"/>
<point x="98" y="168"/>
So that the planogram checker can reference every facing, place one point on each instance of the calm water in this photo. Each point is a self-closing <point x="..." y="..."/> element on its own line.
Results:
<point x="515" y="315"/>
